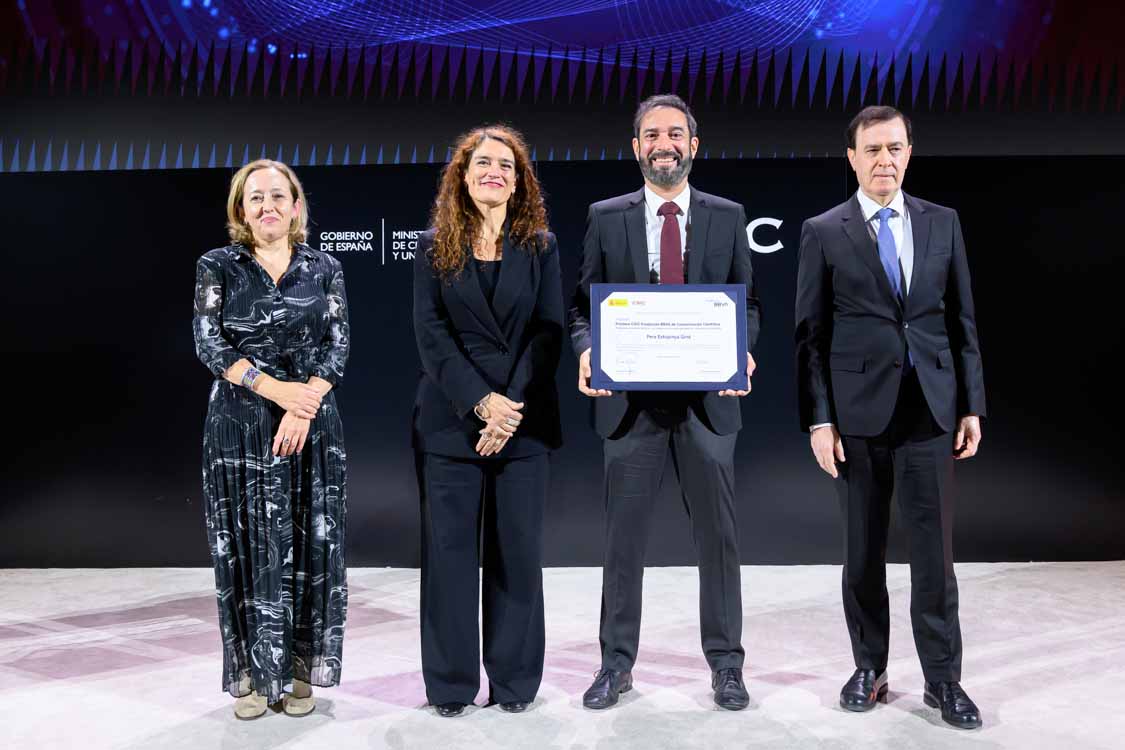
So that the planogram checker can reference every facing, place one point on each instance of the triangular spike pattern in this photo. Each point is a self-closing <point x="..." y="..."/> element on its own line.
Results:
<point x="193" y="82"/>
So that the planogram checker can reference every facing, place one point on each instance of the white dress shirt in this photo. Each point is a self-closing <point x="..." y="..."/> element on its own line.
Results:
<point x="900" y="229"/>
<point x="654" y="224"/>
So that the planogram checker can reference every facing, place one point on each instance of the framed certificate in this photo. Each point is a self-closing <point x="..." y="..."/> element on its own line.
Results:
<point x="668" y="337"/>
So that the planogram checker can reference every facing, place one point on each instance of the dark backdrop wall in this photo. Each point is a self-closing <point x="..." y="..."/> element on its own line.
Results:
<point x="106" y="400"/>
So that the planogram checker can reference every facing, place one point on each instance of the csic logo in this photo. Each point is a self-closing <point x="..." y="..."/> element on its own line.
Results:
<point x="752" y="227"/>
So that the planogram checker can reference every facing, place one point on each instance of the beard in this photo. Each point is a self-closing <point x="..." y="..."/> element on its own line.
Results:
<point x="666" y="177"/>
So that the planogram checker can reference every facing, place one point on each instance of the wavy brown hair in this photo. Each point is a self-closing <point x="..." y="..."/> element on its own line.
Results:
<point x="455" y="219"/>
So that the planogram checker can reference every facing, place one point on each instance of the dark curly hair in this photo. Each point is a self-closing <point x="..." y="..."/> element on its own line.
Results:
<point x="455" y="219"/>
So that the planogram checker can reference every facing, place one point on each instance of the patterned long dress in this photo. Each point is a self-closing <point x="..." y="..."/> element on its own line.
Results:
<point x="275" y="524"/>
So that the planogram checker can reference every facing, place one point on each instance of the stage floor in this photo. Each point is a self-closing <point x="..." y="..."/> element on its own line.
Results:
<point x="130" y="658"/>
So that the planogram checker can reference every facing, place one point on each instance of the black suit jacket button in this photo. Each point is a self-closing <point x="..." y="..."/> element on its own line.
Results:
<point x="898" y="363"/>
<point x="503" y="350"/>
<point x="905" y="326"/>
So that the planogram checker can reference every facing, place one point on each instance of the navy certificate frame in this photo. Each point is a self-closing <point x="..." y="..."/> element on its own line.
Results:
<point x="600" y="380"/>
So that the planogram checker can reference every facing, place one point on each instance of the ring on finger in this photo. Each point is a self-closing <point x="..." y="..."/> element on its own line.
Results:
<point x="511" y="422"/>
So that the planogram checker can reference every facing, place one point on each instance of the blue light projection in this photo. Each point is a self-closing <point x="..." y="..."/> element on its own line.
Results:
<point x="565" y="27"/>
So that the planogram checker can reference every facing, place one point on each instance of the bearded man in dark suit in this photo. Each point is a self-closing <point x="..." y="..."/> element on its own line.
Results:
<point x="665" y="233"/>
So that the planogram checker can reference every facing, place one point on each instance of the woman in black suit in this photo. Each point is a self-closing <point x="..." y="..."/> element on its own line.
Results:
<point x="488" y="319"/>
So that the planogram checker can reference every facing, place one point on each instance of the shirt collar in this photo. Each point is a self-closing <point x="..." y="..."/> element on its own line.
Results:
<point x="870" y="207"/>
<point x="654" y="201"/>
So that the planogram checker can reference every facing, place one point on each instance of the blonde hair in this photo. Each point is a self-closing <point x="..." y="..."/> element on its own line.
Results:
<point x="237" y="227"/>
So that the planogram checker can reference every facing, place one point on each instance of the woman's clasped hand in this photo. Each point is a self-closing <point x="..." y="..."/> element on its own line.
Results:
<point x="501" y="418"/>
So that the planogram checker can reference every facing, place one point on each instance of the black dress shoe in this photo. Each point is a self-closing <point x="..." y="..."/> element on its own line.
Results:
<point x="608" y="685"/>
<point x="957" y="708"/>
<point x="515" y="707"/>
<point x="449" y="710"/>
<point x="730" y="690"/>
<point x="863" y="690"/>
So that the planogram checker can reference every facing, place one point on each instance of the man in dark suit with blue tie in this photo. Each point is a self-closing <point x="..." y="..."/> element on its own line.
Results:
<point x="665" y="233"/>
<point x="890" y="386"/>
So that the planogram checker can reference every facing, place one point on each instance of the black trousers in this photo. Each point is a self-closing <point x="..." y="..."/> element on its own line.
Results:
<point x="635" y="457"/>
<point x="486" y="513"/>
<point x="915" y="457"/>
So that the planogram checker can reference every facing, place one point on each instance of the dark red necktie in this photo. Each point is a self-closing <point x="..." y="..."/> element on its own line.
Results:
<point x="671" y="254"/>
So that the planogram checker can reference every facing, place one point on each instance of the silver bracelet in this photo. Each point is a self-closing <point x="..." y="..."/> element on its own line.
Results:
<point x="252" y="373"/>
<point x="481" y="409"/>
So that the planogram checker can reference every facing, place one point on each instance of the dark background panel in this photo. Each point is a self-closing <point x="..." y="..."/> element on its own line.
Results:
<point x="104" y="457"/>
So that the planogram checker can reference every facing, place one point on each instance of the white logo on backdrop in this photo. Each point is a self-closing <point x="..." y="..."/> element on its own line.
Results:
<point x="403" y="243"/>
<point x="753" y="226"/>
<point x="400" y="244"/>
<point x="352" y="241"/>
<point x="391" y="244"/>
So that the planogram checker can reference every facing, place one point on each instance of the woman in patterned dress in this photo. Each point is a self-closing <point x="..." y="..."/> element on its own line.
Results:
<point x="271" y="323"/>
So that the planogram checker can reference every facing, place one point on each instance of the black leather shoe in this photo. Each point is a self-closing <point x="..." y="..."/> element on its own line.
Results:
<point x="863" y="690"/>
<point x="449" y="710"/>
<point x="957" y="708"/>
<point x="514" y="707"/>
<point x="608" y="685"/>
<point x="730" y="690"/>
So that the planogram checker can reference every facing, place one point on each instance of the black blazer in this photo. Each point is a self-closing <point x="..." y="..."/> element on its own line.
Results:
<point x="469" y="349"/>
<point x="852" y="332"/>
<point x="615" y="250"/>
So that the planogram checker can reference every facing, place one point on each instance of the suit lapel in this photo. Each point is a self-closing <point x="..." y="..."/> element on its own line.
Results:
<point x="866" y="248"/>
<point x="700" y="222"/>
<point x="514" y="277"/>
<point x="920" y="231"/>
<point x="636" y="237"/>
<point x="467" y="286"/>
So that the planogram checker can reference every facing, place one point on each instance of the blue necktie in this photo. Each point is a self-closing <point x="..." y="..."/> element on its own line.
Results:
<point x="888" y="253"/>
<point x="888" y="256"/>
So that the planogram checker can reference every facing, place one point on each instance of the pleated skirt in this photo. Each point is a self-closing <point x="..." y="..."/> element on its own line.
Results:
<point x="275" y="526"/>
